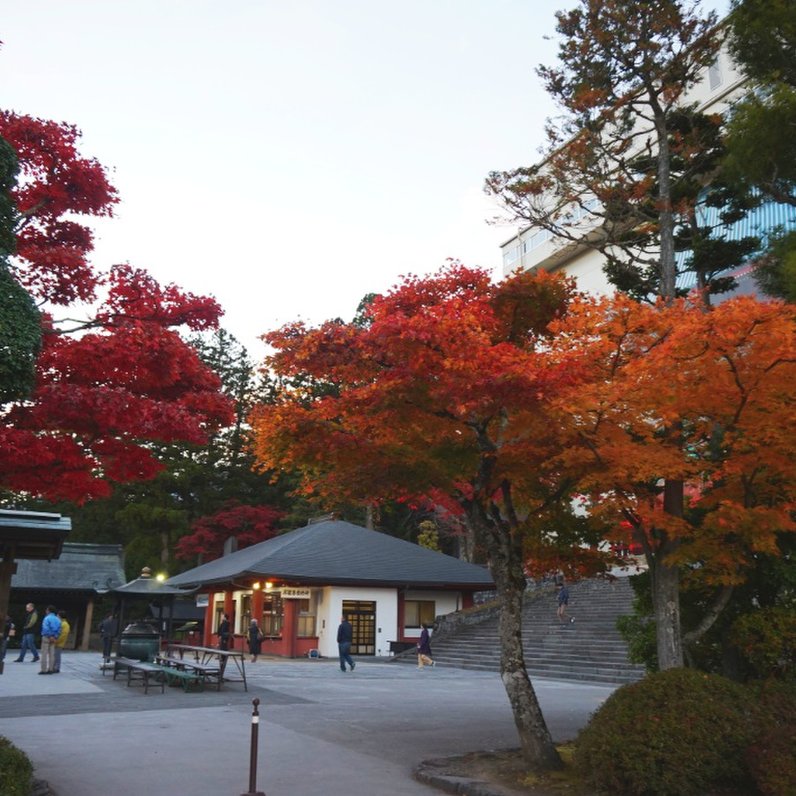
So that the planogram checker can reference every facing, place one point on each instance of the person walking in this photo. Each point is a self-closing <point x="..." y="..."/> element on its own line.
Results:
<point x="255" y="640"/>
<point x="9" y="631"/>
<point x="29" y="634"/>
<point x="61" y="640"/>
<point x="345" y="636"/>
<point x="424" y="657"/>
<point x="223" y="633"/>
<point x="563" y="602"/>
<point x="50" y="630"/>
<point x="107" y="629"/>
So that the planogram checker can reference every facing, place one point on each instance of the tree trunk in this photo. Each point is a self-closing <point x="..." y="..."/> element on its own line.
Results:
<point x="505" y="557"/>
<point x="535" y="739"/>
<point x="668" y="265"/>
<point x="666" y="605"/>
<point x="165" y="540"/>
<point x="666" y="586"/>
<point x="717" y="605"/>
<point x="466" y="542"/>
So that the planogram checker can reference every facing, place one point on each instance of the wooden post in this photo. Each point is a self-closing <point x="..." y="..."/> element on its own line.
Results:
<point x="253" y="752"/>
<point x="210" y="617"/>
<point x="87" y="622"/>
<point x="8" y="568"/>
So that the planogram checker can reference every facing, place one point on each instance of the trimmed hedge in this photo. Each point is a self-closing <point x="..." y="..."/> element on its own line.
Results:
<point x="772" y="755"/>
<point x="675" y="733"/>
<point x="16" y="770"/>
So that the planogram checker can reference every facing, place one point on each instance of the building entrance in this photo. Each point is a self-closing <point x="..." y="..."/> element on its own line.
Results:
<point x="362" y="615"/>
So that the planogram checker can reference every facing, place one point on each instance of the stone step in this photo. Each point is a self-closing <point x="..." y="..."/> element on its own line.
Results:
<point x="590" y="649"/>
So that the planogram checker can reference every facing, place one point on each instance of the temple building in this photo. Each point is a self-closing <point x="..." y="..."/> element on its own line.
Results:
<point x="299" y="584"/>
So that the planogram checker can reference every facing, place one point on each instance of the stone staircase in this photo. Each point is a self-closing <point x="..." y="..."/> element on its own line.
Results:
<point x="589" y="649"/>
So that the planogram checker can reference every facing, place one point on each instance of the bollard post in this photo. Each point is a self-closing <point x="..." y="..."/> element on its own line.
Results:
<point x="253" y="755"/>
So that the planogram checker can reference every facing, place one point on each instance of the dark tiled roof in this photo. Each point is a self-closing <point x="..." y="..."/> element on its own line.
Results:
<point x="80" y="567"/>
<point x="339" y="553"/>
<point x="148" y="587"/>
<point x="32" y="534"/>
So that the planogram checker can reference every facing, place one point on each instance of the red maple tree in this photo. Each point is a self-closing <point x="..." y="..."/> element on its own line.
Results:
<point x="248" y="525"/>
<point x="109" y="386"/>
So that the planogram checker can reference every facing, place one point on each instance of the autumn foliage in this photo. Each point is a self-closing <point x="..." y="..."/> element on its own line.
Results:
<point x="444" y="386"/>
<point x="248" y="525"/>
<point x="444" y="373"/>
<point x="107" y="387"/>
<point x="56" y="184"/>
<point x="552" y="420"/>
<point x="705" y="398"/>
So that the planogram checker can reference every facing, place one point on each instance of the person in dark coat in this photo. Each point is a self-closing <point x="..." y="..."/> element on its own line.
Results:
<point x="223" y="633"/>
<point x="255" y="639"/>
<point x="345" y="636"/>
<point x="424" y="649"/>
<point x="107" y="629"/>
<point x="563" y="601"/>
<point x="29" y="634"/>
<point x="9" y="630"/>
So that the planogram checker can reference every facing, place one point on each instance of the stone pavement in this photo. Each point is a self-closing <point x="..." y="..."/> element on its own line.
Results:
<point x="321" y="731"/>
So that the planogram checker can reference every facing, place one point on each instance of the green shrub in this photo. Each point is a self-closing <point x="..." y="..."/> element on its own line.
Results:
<point x="642" y="645"/>
<point x="16" y="770"/>
<point x="766" y="640"/>
<point x="675" y="733"/>
<point x="771" y="757"/>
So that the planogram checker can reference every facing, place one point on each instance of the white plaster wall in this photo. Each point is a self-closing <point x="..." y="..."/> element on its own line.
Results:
<point x="587" y="269"/>
<point x="586" y="265"/>
<point x="330" y="609"/>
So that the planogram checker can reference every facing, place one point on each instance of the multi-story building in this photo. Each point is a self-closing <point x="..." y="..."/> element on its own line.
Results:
<point x="534" y="247"/>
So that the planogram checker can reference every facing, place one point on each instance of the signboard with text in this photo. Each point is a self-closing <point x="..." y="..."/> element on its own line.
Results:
<point x="289" y="593"/>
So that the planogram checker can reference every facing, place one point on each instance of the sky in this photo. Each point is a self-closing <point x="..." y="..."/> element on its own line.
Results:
<point x="290" y="157"/>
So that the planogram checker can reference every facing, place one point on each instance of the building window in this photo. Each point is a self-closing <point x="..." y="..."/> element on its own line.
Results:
<point x="418" y="612"/>
<point x="714" y="75"/>
<point x="306" y="619"/>
<point x="272" y="615"/>
<point x="245" y="613"/>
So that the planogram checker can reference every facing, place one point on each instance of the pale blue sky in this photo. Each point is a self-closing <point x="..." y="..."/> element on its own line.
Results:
<point x="289" y="157"/>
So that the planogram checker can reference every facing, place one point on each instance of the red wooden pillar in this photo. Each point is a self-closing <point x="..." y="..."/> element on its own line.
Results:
<point x="290" y="626"/>
<point x="207" y="636"/>
<point x="257" y="607"/>
<point x="399" y="631"/>
<point x="467" y="600"/>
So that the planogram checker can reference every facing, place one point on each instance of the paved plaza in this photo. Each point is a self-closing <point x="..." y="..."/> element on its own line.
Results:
<point x="321" y="731"/>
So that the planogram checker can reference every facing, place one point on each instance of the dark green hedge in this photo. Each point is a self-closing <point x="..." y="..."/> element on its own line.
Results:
<point x="16" y="770"/>
<point x="675" y="733"/>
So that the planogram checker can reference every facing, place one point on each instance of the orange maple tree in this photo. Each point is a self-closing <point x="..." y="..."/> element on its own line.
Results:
<point x="723" y="381"/>
<point x="446" y="386"/>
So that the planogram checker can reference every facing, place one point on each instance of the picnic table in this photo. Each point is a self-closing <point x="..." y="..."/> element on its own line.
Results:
<point x="205" y="656"/>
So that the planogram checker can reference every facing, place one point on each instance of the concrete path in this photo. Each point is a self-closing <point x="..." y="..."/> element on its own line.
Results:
<point x="321" y="731"/>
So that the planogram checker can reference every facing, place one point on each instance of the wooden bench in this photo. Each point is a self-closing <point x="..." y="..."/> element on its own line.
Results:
<point x="139" y="670"/>
<point x="181" y="677"/>
<point x="397" y="647"/>
<point x="186" y="672"/>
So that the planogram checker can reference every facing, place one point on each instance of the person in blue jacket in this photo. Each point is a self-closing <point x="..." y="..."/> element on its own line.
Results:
<point x="563" y="602"/>
<point x="50" y="630"/>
